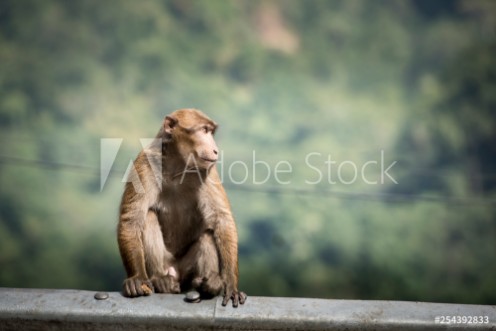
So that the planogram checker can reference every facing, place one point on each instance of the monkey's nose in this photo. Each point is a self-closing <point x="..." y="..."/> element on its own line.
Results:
<point x="215" y="152"/>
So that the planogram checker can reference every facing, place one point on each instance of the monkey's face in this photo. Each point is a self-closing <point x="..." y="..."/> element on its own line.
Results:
<point x="193" y="133"/>
<point x="198" y="148"/>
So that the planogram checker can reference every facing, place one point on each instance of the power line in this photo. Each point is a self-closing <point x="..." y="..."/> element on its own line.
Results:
<point x="366" y="196"/>
<point x="267" y="189"/>
<point x="47" y="164"/>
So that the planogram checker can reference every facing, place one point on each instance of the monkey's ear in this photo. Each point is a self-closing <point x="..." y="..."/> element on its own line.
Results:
<point x="169" y="124"/>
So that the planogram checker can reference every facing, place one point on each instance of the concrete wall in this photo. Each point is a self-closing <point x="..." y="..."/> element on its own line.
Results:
<point x="38" y="309"/>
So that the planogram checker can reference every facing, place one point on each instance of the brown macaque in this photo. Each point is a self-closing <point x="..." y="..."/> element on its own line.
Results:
<point x="176" y="230"/>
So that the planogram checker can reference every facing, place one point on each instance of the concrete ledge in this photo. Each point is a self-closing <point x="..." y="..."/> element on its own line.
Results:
<point x="39" y="309"/>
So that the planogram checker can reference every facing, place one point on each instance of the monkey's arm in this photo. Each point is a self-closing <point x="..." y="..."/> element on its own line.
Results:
<point x="131" y="249"/>
<point x="134" y="207"/>
<point x="226" y="239"/>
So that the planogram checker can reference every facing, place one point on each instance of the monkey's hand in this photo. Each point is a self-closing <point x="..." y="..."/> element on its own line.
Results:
<point x="232" y="293"/>
<point x="136" y="286"/>
<point x="166" y="284"/>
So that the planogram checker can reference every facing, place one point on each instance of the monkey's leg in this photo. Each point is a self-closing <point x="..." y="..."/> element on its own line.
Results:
<point x="159" y="261"/>
<point x="200" y="267"/>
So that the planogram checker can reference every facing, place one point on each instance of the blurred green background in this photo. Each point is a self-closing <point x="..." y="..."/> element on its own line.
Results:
<point x="407" y="81"/>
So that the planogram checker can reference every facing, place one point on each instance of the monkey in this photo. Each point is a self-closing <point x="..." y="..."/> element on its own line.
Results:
<point x="176" y="230"/>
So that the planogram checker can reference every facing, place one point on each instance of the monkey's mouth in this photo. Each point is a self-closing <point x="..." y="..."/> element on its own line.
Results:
<point x="208" y="159"/>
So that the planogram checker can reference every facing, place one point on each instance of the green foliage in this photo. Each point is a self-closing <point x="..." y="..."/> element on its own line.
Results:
<point x="349" y="79"/>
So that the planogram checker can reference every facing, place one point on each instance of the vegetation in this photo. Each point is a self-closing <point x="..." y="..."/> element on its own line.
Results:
<point x="297" y="81"/>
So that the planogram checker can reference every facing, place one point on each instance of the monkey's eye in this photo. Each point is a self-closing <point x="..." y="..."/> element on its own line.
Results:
<point x="206" y="129"/>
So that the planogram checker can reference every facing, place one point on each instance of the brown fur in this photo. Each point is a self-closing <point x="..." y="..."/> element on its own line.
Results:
<point x="176" y="230"/>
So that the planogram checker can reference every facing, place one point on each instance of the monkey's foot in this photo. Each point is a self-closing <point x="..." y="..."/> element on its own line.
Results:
<point x="236" y="297"/>
<point x="209" y="287"/>
<point x="166" y="284"/>
<point x="135" y="287"/>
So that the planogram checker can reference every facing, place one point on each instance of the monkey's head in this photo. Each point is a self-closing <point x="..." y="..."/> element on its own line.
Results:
<point x="191" y="132"/>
